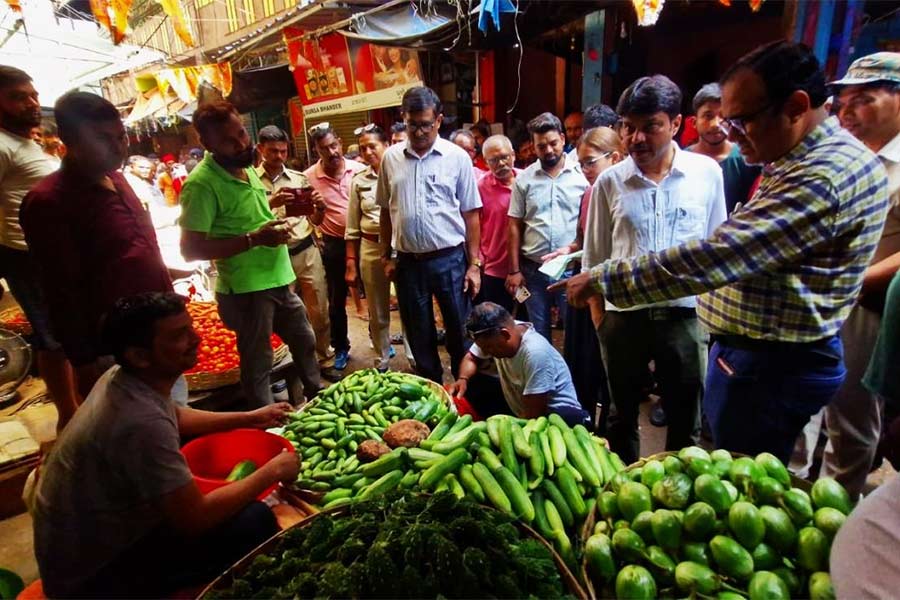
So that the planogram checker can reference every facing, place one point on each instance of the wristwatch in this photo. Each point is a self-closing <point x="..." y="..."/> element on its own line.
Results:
<point x="476" y="262"/>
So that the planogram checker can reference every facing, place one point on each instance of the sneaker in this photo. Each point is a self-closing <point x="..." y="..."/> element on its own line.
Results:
<point x="391" y="352"/>
<point x="341" y="358"/>
<point x="331" y="374"/>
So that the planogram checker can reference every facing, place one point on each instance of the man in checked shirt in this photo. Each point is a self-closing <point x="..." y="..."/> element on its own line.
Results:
<point x="777" y="280"/>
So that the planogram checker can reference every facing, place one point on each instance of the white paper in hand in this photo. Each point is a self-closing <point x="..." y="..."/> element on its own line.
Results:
<point x="554" y="268"/>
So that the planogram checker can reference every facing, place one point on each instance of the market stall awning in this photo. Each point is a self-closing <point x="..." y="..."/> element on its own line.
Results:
<point x="154" y="105"/>
<point x="62" y="54"/>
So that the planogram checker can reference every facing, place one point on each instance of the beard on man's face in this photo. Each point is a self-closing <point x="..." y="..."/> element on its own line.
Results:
<point x="237" y="161"/>
<point x="548" y="161"/>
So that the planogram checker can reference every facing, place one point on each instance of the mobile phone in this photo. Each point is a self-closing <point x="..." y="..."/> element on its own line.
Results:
<point x="522" y="294"/>
<point x="302" y="203"/>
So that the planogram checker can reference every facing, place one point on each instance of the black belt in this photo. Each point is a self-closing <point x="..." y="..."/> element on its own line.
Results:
<point x="429" y="255"/>
<point x="303" y="245"/>
<point x="665" y="313"/>
<point x="741" y="342"/>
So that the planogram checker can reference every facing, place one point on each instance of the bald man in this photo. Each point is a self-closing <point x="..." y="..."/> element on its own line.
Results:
<point x="495" y="188"/>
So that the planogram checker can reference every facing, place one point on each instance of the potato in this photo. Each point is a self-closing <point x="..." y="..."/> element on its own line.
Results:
<point x="370" y="450"/>
<point x="406" y="432"/>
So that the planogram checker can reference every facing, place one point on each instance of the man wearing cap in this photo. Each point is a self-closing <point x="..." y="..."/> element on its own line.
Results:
<point x="868" y="106"/>
<point x="777" y="280"/>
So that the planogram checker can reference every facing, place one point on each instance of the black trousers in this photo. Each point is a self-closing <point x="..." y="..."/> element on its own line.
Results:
<point x="334" y="259"/>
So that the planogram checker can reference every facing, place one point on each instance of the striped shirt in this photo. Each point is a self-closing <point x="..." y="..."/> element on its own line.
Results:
<point x="788" y="265"/>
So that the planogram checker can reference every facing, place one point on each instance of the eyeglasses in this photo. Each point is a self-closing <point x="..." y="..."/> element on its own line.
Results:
<point x="590" y="162"/>
<point x="740" y="123"/>
<point x="364" y="129"/>
<point x="503" y="158"/>
<point x="425" y="127"/>
<point x="324" y="126"/>
<point x="474" y="334"/>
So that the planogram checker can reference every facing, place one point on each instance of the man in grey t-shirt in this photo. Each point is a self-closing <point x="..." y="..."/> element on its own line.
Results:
<point x="534" y="377"/>
<point x="117" y="512"/>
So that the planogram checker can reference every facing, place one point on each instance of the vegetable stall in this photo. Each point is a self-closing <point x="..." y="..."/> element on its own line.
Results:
<point x="691" y="523"/>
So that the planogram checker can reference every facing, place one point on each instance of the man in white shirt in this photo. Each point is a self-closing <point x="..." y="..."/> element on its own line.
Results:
<point x="22" y="165"/>
<point x="658" y="197"/>
<point x="543" y="217"/>
<point x="430" y="215"/>
<point x="868" y="101"/>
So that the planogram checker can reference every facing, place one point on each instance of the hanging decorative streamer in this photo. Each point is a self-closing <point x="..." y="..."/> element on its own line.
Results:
<point x="112" y="14"/>
<point x="15" y="5"/>
<point x="180" y="22"/>
<point x="186" y="81"/>
<point x="754" y="4"/>
<point x="647" y="11"/>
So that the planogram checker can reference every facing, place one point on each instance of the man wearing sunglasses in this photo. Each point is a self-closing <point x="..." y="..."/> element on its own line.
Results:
<point x="330" y="177"/>
<point x="533" y="377"/>
<point x="777" y="280"/>
<point x="430" y="216"/>
<point x="656" y="198"/>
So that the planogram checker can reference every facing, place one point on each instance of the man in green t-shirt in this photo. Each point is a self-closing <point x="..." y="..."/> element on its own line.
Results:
<point x="226" y="218"/>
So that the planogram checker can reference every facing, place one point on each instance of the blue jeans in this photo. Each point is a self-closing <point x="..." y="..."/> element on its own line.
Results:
<point x="541" y="300"/>
<point x="418" y="281"/>
<point x="760" y="395"/>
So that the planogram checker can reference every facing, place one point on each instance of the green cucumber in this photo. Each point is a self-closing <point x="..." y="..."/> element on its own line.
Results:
<point x="450" y="464"/>
<point x="518" y="497"/>
<point x="470" y="483"/>
<point x="492" y="489"/>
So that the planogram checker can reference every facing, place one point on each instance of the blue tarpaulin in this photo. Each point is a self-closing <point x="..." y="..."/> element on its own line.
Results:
<point x="491" y="11"/>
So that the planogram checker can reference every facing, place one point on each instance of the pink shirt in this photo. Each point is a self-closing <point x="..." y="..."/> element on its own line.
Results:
<point x="494" y="228"/>
<point x="585" y="202"/>
<point x="336" y="193"/>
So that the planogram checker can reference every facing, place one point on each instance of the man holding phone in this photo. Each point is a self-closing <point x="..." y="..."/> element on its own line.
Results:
<point x="226" y="218"/>
<point x="286" y="187"/>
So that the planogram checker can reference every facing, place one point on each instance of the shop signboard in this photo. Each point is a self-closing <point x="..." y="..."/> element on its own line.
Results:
<point x="359" y="102"/>
<point x="333" y="75"/>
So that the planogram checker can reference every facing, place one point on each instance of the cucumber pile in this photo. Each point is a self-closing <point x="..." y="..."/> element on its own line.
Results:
<point x="328" y="431"/>
<point x="539" y="471"/>
<point x="710" y="525"/>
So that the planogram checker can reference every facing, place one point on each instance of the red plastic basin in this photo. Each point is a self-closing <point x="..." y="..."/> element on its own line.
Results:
<point x="212" y="457"/>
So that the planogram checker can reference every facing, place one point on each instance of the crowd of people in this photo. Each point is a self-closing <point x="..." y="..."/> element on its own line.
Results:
<point x="747" y="273"/>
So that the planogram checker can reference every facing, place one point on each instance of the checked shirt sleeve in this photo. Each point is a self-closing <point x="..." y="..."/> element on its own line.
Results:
<point x="777" y="228"/>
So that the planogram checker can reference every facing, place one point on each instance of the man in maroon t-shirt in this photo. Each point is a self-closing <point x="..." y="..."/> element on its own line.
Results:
<point x="90" y="235"/>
